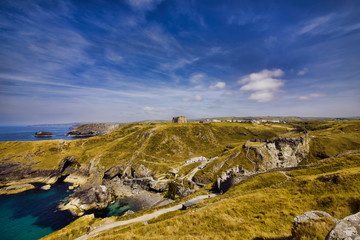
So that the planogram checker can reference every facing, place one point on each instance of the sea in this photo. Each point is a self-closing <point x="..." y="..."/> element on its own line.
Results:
<point x="26" y="133"/>
<point x="34" y="214"/>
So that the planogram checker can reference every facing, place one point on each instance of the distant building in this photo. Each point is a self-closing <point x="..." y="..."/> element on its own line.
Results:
<point x="180" y="119"/>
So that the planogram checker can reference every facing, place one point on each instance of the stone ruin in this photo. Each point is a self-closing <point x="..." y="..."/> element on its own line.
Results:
<point x="180" y="119"/>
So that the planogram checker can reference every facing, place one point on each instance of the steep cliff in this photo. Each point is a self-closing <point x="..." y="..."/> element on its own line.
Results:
<point x="281" y="152"/>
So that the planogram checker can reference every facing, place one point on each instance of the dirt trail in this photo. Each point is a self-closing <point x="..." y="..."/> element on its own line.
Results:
<point x="143" y="218"/>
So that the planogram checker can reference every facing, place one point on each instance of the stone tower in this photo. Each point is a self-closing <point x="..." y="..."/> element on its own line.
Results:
<point x="180" y="119"/>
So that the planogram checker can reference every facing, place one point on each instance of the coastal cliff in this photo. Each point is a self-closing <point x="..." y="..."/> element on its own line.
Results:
<point x="147" y="157"/>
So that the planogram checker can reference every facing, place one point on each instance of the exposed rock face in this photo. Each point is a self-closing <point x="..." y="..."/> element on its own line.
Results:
<point x="42" y="134"/>
<point x="312" y="225"/>
<point x="89" y="196"/>
<point x="346" y="229"/>
<point x="13" y="189"/>
<point x="231" y="177"/>
<point x="13" y="174"/>
<point x="278" y="153"/>
<point x="282" y="152"/>
<point x="92" y="129"/>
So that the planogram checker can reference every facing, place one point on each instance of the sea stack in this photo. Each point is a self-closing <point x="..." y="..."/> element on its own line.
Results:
<point x="41" y="134"/>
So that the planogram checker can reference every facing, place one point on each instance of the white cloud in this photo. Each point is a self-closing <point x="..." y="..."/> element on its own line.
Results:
<point x="186" y="99"/>
<point x="151" y="109"/>
<point x="264" y="85"/>
<point x="311" y="96"/>
<point x="229" y="93"/>
<point x="303" y="72"/>
<point x="197" y="78"/>
<point x="198" y="98"/>
<point x="218" y="85"/>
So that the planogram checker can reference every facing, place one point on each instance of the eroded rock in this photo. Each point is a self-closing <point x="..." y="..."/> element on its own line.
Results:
<point x="17" y="188"/>
<point x="346" y="229"/>
<point x="312" y="225"/>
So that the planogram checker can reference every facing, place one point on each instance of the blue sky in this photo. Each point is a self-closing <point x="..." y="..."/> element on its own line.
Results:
<point x="132" y="60"/>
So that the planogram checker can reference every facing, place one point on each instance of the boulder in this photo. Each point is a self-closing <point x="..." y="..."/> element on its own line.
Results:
<point x="128" y="212"/>
<point x="346" y="229"/>
<point x="46" y="187"/>
<point x="312" y="225"/>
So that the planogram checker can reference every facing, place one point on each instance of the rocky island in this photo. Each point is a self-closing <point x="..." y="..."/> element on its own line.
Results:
<point x="43" y="134"/>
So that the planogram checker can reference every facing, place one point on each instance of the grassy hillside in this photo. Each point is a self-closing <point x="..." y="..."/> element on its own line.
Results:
<point x="159" y="147"/>
<point x="262" y="207"/>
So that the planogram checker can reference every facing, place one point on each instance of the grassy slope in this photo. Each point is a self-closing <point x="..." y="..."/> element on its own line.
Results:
<point x="263" y="206"/>
<point x="159" y="147"/>
<point x="252" y="209"/>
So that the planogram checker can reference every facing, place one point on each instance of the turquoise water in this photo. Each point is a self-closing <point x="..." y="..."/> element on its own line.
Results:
<point x="119" y="208"/>
<point x="33" y="214"/>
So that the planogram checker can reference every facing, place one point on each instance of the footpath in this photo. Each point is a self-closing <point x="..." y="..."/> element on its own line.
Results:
<point x="143" y="218"/>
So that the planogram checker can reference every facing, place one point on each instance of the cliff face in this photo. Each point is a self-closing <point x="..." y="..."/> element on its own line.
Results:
<point x="282" y="152"/>
<point x="278" y="153"/>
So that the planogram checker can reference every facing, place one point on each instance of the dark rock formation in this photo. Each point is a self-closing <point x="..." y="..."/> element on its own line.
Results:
<point x="42" y="134"/>
<point x="113" y="172"/>
<point x="346" y="229"/>
<point x="93" y="196"/>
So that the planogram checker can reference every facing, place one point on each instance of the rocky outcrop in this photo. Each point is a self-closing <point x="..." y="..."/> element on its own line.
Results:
<point x="42" y="134"/>
<point x="270" y="155"/>
<point x="282" y="152"/>
<point x="88" y="196"/>
<point x="92" y="129"/>
<point x="312" y="225"/>
<point x="346" y="229"/>
<point x="231" y="177"/>
<point x="13" y="174"/>
<point x="17" y="188"/>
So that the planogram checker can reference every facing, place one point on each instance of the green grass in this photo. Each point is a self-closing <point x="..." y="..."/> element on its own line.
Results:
<point x="258" y="208"/>
<point x="261" y="207"/>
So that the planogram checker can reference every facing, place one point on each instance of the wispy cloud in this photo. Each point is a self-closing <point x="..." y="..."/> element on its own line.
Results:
<point x="313" y="25"/>
<point x="197" y="78"/>
<point x="151" y="109"/>
<point x="144" y="5"/>
<point x="311" y="96"/>
<point x="198" y="98"/>
<point x="264" y="85"/>
<point x="218" y="85"/>
<point x="303" y="72"/>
